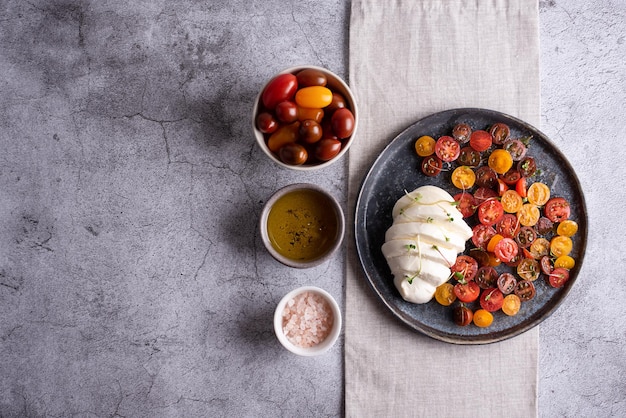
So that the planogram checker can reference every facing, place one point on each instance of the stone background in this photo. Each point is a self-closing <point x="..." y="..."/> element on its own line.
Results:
<point x="133" y="281"/>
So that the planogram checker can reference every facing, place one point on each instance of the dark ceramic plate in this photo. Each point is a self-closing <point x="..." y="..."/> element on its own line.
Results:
<point x="397" y="169"/>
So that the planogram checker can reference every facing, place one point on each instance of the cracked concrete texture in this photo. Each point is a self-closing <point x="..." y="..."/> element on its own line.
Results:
<point x="132" y="279"/>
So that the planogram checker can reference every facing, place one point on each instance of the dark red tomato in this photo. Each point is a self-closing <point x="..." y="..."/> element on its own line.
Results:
<point x="491" y="299"/>
<point x="511" y="177"/>
<point x="515" y="261"/>
<point x="465" y="265"/>
<point x="286" y="111"/>
<point x="486" y="177"/>
<point x="311" y="77"/>
<point x="461" y="132"/>
<point x="557" y="209"/>
<point x="310" y="131"/>
<point x="527" y="166"/>
<point x="506" y="250"/>
<point x="280" y="88"/>
<point x="502" y="187"/>
<point x="266" y="123"/>
<point x="482" y="194"/>
<point x="558" y="277"/>
<point x="342" y="122"/>
<point x="516" y="148"/>
<point x="500" y="133"/>
<point x="525" y="290"/>
<point x="469" y="157"/>
<point x="447" y="149"/>
<point x="480" y="140"/>
<point x="338" y="102"/>
<point x="462" y="315"/>
<point x="520" y="187"/>
<point x="466" y="204"/>
<point x="293" y="154"/>
<point x="490" y="212"/>
<point x="327" y="149"/>
<point x="467" y="292"/>
<point x="486" y="277"/>
<point x="507" y="283"/>
<point x="508" y="226"/>
<point x="544" y="226"/>
<point x="546" y="264"/>
<point x="526" y="236"/>
<point x="481" y="235"/>
<point x="431" y="165"/>
<point x="481" y="256"/>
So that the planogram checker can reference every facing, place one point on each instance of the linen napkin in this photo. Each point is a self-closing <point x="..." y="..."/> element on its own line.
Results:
<point x="409" y="59"/>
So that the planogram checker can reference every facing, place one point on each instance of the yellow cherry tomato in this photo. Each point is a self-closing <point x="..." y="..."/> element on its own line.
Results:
<point x="463" y="177"/>
<point x="567" y="228"/>
<point x="500" y="161"/>
<point x="538" y="194"/>
<point x="491" y="245"/>
<point x="482" y="318"/>
<point x="539" y="248"/>
<point x="314" y="97"/>
<point x="444" y="294"/>
<point x="511" y="304"/>
<point x="528" y="215"/>
<point x="511" y="201"/>
<point x="425" y="146"/>
<point x="564" y="261"/>
<point x="561" y="245"/>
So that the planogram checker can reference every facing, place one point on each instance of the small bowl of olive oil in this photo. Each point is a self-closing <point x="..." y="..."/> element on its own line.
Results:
<point x="302" y="225"/>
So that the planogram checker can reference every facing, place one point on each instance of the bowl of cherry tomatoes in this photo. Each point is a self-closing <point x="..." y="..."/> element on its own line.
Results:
<point x="305" y="118"/>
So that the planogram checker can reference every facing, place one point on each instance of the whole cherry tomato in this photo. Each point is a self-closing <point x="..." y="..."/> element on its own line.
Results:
<point x="310" y="131"/>
<point x="280" y="88"/>
<point x="293" y="154"/>
<point x="266" y="123"/>
<point x="342" y="123"/>
<point x="311" y="77"/>
<point x="286" y="111"/>
<point x="316" y="97"/>
<point x="327" y="149"/>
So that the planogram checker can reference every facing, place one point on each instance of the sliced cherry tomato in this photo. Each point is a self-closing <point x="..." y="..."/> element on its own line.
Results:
<point x="511" y="305"/>
<point x="500" y="161"/>
<point x="527" y="166"/>
<point x="565" y="261"/>
<point x="467" y="292"/>
<point x="500" y="132"/>
<point x="466" y="204"/>
<point x="544" y="226"/>
<point x="558" y="277"/>
<point x="447" y="149"/>
<point x="538" y="194"/>
<point x="567" y="228"/>
<point x="557" y="209"/>
<point x="486" y="177"/>
<point x="480" y="140"/>
<point x="526" y="236"/>
<point x="561" y="245"/>
<point x="483" y="194"/>
<point x="465" y="266"/>
<point x="469" y="157"/>
<point x="483" y="318"/>
<point x="528" y="215"/>
<point x="508" y="226"/>
<point x="506" y="250"/>
<point x="462" y="315"/>
<point x="525" y="290"/>
<point x="463" y="177"/>
<point x="462" y="132"/>
<point x="545" y="263"/>
<point x="514" y="262"/>
<point x="486" y="277"/>
<point x="280" y="88"/>
<point x="502" y="187"/>
<point x="425" y="146"/>
<point x="480" y="255"/>
<point x="491" y="299"/>
<point x="511" y="201"/>
<point x="511" y="177"/>
<point x="490" y="212"/>
<point x="506" y="283"/>
<point x="528" y="269"/>
<point x="481" y="235"/>
<point x="432" y="165"/>
<point x="520" y="187"/>
<point x="516" y="148"/>
<point x="444" y="294"/>
<point x="539" y="248"/>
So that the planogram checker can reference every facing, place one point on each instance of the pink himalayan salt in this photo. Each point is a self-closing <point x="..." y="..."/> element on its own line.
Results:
<point x="307" y="319"/>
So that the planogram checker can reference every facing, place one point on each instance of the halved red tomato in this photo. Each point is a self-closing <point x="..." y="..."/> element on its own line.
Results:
<point x="557" y="209"/>
<point x="447" y="149"/>
<point x="466" y="266"/>
<point x="507" y="283"/>
<point x="508" y="226"/>
<point x="486" y="277"/>
<point x="431" y="165"/>
<point x="481" y="235"/>
<point x="558" y="277"/>
<point x="506" y="249"/>
<point x="480" y="140"/>
<point x="483" y="193"/>
<point x="491" y="299"/>
<point x="486" y="177"/>
<point x="500" y="132"/>
<point x="467" y="292"/>
<point x="466" y="204"/>
<point x="490" y="212"/>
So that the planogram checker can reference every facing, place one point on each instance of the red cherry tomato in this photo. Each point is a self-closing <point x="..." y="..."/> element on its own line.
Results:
<point x="520" y="187"/>
<point x="466" y="204"/>
<point x="482" y="194"/>
<point x="467" y="292"/>
<point x="557" y="209"/>
<point x="286" y="111"/>
<point x="500" y="132"/>
<point x="466" y="266"/>
<point x="486" y="177"/>
<point x="490" y="212"/>
<point x="526" y="236"/>
<point x="506" y="249"/>
<point x="469" y="156"/>
<point x="310" y="131"/>
<point x="491" y="299"/>
<point x="480" y="140"/>
<point x="486" y="277"/>
<point x="280" y="88"/>
<point x="558" y="277"/>
<point x="546" y="264"/>
<point x="527" y="166"/>
<point x="462" y="132"/>
<point x="327" y="148"/>
<point x="516" y="148"/>
<point x="511" y="177"/>
<point x="507" y="283"/>
<point x="342" y="122"/>
<point x="447" y="149"/>
<point x="481" y="235"/>
<point x="508" y="226"/>
<point x="266" y="123"/>
<point x="525" y="290"/>
<point x="431" y="165"/>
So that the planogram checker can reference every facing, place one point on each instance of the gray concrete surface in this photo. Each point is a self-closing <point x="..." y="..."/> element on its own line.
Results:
<point x="133" y="282"/>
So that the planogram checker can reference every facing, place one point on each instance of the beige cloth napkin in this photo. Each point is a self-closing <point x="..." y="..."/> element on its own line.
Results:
<point x="409" y="59"/>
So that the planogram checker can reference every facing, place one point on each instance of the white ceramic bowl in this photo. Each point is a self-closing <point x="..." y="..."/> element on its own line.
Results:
<point x="335" y="83"/>
<point x="323" y="346"/>
<point x="329" y="203"/>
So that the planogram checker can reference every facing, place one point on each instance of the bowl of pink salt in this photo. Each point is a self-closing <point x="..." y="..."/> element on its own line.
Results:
<point x="307" y="321"/>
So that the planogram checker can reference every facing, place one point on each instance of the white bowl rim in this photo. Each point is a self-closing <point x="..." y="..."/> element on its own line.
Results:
<point x="353" y="107"/>
<point x="332" y="337"/>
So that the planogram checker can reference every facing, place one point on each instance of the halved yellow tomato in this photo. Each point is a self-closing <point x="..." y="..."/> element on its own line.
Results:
<point x="425" y="146"/>
<point x="444" y="294"/>
<point x="538" y="194"/>
<point x="483" y="318"/>
<point x="561" y="245"/>
<point x="528" y="215"/>
<point x="511" y="304"/>
<point x="539" y="248"/>
<point x="500" y="161"/>
<point x="511" y="201"/>
<point x="463" y="177"/>
<point x="567" y="228"/>
<point x="564" y="261"/>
